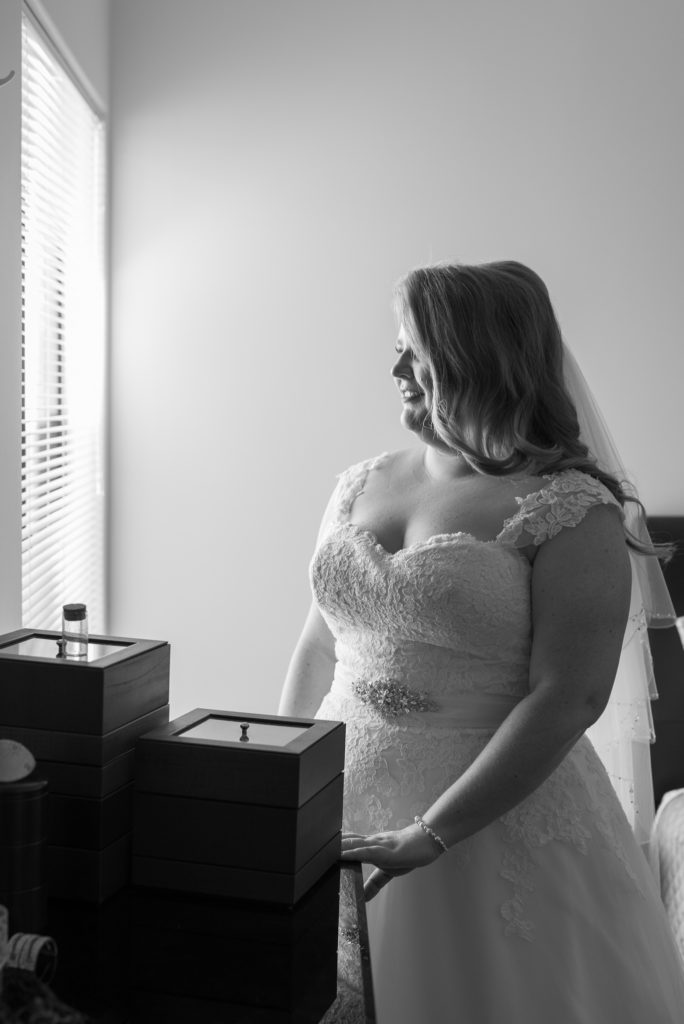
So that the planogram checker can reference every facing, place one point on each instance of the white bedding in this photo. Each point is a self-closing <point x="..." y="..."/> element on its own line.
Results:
<point x="668" y="848"/>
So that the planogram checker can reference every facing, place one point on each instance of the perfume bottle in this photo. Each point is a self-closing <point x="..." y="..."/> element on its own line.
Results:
<point x="75" y="632"/>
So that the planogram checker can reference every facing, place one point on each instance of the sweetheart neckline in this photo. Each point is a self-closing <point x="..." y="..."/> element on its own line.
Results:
<point x="429" y="541"/>
<point x="435" y="538"/>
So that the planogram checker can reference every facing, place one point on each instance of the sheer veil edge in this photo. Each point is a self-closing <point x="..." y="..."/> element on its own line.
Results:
<point x="624" y="731"/>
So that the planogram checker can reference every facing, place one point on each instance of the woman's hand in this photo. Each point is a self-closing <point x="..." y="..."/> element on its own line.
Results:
<point x="392" y="853"/>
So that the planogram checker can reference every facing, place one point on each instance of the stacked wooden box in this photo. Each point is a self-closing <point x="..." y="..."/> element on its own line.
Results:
<point x="235" y="805"/>
<point x="81" y="720"/>
<point x="22" y="852"/>
<point x="205" y="960"/>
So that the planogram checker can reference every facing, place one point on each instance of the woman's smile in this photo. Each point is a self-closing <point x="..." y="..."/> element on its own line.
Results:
<point x="406" y="368"/>
<point x="409" y="393"/>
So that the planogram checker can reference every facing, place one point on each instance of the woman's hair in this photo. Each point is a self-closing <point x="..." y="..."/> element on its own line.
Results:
<point x="490" y="339"/>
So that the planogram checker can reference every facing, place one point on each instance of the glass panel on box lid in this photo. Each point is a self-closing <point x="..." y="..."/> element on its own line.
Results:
<point x="230" y="730"/>
<point x="46" y="647"/>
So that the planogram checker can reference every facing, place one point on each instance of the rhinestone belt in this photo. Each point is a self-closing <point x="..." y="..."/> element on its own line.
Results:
<point x="392" y="698"/>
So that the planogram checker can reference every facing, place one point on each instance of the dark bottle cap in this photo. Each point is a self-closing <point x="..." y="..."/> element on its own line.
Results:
<point x="74" y="612"/>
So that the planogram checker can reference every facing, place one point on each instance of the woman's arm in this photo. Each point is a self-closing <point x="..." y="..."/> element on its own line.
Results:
<point x="311" y="669"/>
<point x="581" y="583"/>
<point x="312" y="664"/>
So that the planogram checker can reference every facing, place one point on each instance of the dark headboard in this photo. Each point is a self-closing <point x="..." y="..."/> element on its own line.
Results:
<point x="667" y="753"/>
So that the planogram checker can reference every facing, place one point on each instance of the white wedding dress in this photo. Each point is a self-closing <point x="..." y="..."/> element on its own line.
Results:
<point x="549" y="915"/>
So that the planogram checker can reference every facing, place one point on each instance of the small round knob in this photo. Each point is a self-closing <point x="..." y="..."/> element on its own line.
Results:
<point x="244" y="738"/>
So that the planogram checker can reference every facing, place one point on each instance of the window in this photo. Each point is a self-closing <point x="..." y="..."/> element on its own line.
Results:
<point x="63" y="341"/>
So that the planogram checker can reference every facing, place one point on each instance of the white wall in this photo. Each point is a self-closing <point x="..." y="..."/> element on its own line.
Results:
<point x="277" y="164"/>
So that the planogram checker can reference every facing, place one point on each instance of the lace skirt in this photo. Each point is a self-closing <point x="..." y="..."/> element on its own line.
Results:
<point x="549" y="913"/>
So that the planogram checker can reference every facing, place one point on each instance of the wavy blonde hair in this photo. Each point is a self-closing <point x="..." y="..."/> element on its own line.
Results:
<point x="492" y="344"/>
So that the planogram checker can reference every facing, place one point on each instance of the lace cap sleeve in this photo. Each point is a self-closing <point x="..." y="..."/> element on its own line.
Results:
<point x="350" y="483"/>
<point x="562" y="502"/>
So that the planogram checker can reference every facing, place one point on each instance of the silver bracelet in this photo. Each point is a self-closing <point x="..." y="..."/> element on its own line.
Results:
<point x="433" y="835"/>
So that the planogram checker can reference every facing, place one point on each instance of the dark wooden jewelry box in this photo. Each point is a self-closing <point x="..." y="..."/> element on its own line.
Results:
<point x="205" y="959"/>
<point x="257" y="818"/>
<point x="22" y="851"/>
<point x="160" y="956"/>
<point x="80" y="721"/>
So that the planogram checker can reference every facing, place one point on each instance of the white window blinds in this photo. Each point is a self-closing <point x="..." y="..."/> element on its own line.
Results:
<point x="63" y="342"/>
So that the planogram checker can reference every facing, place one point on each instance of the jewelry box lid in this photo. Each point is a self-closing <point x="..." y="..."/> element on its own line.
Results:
<point x="241" y="756"/>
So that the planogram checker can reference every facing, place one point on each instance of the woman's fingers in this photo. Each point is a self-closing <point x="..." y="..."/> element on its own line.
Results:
<point x="354" y="839"/>
<point x="377" y="881"/>
<point x="362" y="851"/>
<point x="381" y="849"/>
<point x="353" y="843"/>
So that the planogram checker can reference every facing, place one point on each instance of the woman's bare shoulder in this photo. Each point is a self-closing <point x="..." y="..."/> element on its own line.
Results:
<point x="509" y="487"/>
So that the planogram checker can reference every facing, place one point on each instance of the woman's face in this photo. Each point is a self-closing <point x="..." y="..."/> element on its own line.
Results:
<point x="415" y="385"/>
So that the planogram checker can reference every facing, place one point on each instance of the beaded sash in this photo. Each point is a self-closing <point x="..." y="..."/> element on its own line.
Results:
<point x="394" y="700"/>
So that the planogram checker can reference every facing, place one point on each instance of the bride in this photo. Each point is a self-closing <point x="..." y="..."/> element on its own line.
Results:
<point x="472" y="596"/>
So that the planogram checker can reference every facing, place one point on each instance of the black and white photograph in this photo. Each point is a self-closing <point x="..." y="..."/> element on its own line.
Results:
<point x="342" y="513"/>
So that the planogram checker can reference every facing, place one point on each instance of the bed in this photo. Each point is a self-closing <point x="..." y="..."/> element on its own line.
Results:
<point x="667" y="753"/>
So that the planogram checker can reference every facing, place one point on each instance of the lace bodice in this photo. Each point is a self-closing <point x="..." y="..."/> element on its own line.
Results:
<point x="433" y="646"/>
<point x="448" y="614"/>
